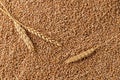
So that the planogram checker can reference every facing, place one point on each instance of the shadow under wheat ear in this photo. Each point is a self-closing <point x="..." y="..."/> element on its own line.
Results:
<point x="24" y="36"/>
<point x="31" y="30"/>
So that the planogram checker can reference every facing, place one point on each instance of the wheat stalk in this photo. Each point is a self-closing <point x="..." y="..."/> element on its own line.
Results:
<point x="24" y="36"/>
<point x="31" y="30"/>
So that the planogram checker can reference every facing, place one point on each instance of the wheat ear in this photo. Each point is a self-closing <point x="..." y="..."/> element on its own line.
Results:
<point x="31" y="30"/>
<point x="47" y="39"/>
<point x="89" y="51"/>
<point x="81" y="55"/>
<point x="24" y="36"/>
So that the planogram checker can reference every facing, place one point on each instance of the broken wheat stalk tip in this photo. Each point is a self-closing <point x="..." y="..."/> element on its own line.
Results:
<point x="81" y="55"/>
<point x="31" y="30"/>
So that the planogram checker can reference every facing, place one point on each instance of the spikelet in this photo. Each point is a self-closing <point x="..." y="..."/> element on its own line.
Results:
<point x="47" y="39"/>
<point x="81" y="55"/>
<point x="24" y="36"/>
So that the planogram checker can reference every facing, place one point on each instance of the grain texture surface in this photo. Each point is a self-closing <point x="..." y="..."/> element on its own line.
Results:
<point x="77" y="24"/>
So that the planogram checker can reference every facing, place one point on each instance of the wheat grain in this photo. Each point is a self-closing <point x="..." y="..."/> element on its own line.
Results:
<point x="81" y="55"/>
<point x="31" y="30"/>
<point x="24" y="36"/>
<point x="1" y="28"/>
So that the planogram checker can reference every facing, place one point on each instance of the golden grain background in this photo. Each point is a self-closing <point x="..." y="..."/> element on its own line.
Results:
<point x="59" y="30"/>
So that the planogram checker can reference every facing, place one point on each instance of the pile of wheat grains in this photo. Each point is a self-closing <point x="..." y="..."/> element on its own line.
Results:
<point x="43" y="34"/>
